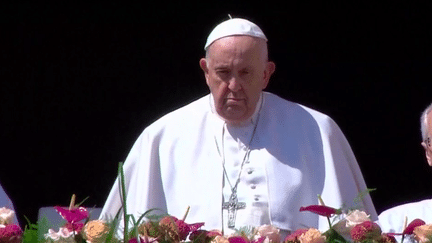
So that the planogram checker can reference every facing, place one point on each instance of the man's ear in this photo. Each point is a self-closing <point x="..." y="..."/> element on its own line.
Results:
<point x="203" y="65"/>
<point x="428" y="154"/>
<point x="269" y="70"/>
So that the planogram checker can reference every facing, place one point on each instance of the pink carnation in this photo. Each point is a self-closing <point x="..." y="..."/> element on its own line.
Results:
<point x="237" y="239"/>
<point x="366" y="230"/>
<point x="293" y="237"/>
<point x="10" y="233"/>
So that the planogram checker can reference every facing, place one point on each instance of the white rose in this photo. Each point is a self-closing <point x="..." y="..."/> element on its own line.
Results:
<point x="352" y="219"/>
<point x="62" y="236"/>
<point x="6" y="215"/>
<point x="356" y="217"/>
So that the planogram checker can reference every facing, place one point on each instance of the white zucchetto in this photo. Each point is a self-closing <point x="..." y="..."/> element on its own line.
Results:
<point x="236" y="26"/>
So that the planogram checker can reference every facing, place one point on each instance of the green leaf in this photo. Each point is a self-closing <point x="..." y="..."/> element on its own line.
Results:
<point x="334" y="237"/>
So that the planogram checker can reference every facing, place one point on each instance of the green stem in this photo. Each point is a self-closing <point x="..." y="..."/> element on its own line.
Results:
<point x="328" y="220"/>
<point x="123" y="197"/>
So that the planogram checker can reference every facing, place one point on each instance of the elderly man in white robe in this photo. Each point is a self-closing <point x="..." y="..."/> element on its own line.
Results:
<point x="240" y="156"/>
<point x="394" y="220"/>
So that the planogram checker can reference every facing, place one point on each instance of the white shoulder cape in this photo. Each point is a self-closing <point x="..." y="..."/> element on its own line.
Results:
<point x="392" y="220"/>
<point x="175" y="164"/>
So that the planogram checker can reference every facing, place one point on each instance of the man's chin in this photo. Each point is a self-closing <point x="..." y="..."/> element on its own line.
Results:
<point x="235" y="116"/>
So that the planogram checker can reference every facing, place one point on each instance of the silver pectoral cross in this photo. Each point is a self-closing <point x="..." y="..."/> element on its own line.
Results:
<point x="232" y="205"/>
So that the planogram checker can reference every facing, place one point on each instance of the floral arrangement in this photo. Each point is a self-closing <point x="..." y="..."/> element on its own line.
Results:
<point x="9" y="232"/>
<point x="352" y="226"/>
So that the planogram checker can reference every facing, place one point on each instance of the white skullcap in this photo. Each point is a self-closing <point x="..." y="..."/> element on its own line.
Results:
<point x="234" y="26"/>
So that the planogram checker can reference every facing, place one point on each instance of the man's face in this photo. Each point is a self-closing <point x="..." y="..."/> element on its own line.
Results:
<point x="427" y="145"/>
<point x="236" y="70"/>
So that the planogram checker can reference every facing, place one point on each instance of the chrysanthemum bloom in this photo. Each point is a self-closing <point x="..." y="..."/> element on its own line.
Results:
<point x="269" y="232"/>
<point x="366" y="231"/>
<point x="312" y="236"/>
<point x="96" y="231"/>
<point x="423" y="233"/>
<point x="6" y="215"/>
<point x="10" y="233"/>
<point x="293" y="237"/>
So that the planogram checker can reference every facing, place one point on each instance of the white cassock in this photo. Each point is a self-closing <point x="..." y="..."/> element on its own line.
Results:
<point x="392" y="220"/>
<point x="296" y="154"/>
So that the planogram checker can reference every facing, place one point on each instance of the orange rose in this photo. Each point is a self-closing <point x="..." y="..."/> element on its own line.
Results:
<point x="423" y="233"/>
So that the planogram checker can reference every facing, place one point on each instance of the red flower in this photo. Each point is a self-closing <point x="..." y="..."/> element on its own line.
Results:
<point x="10" y="233"/>
<point x="294" y="236"/>
<point x="367" y="230"/>
<point x="320" y="210"/>
<point x="411" y="226"/>
<point x="72" y="215"/>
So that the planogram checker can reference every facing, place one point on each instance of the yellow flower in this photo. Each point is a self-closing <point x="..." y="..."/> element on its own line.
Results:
<point x="312" y="236"/>
<point x="96" y="231"/>
<point x="423" y="233"/>
<point x="220" y="239"/>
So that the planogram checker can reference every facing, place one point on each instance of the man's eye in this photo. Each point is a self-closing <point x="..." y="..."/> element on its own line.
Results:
<point x="223" y="72"/>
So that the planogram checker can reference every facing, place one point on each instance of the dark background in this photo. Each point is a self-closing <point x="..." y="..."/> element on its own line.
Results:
<point x="80" y="82"/>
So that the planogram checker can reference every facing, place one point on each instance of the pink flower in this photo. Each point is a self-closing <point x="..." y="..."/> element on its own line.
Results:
<point x="320" y="210"/>
<point x="312" y="236"/>
<point x="10" y="233"/>
<point x="293" y="237"/>
<point x="237" y="239"/>
<point x="365" y="231"/>
<point x="72" y="215"/>
<point x="269" y="232"/>
<point x="74" y="227"/>
<point x="135" y="240"/>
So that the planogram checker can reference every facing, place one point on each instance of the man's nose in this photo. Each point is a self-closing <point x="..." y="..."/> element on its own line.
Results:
<point x="234" y="84"/>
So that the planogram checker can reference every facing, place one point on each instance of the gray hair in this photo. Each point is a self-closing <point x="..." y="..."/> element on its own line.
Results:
<point x="424" y="122"/>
